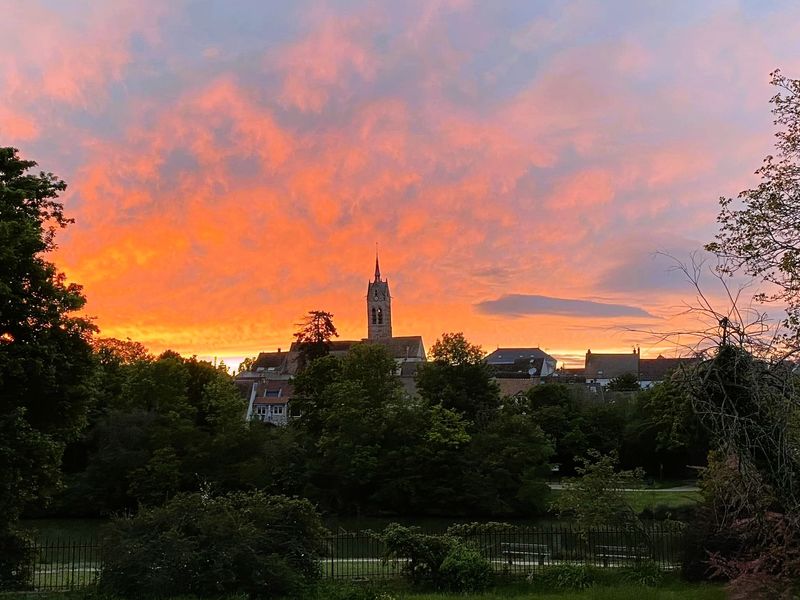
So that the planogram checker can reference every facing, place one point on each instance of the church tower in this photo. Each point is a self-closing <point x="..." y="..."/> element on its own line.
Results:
<point x="379" y="307"/>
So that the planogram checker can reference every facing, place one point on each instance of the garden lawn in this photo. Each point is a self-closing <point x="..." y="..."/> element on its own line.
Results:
<point x="643" y="499"/>
<point x="677" y="591"/>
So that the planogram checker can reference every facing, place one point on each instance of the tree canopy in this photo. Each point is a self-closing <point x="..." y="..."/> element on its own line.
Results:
<point x="760" y="234"/>
<point x="45" y="357"/>
<point x="315" y="334"/>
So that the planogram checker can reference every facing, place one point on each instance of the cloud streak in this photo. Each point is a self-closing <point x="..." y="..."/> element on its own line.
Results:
<point x="517" y="305"/>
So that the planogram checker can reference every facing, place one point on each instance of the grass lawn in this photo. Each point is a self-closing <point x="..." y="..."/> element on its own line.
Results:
<point x="620" y="592"/>
<point x="521" y="591"/>
<point x="643" y="499"/>
<point x="648" y="498"/>
<point x="673" y="589"/>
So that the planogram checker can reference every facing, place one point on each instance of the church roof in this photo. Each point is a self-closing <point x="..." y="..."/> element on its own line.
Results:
<point x="335" y="347"/>
<point x="400" y="347"/>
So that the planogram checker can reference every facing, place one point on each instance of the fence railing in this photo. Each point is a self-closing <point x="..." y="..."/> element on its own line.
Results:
<point x="520" y="551"/>
<point x="65" y="564"/>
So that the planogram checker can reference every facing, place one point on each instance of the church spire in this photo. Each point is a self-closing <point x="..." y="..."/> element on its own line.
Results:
<point x="379" y="305"/>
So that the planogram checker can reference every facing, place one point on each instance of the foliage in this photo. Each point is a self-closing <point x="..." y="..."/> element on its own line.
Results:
<point x="508" y="459"/>
<point x="751" y="491"/>
<point x="246" y="364"/>
<point x="464" y="569"/>
<point x="314" y="336"/>
<point x="663" y="433"/>
<point x="574" y="424"/>
<point x="160" y="426"/>
<point x="597" y="497"/>
<point x="458" y="379"/>
<point x="454" y="349"/>
<point x="45" y="358"/>
<point x="445" y="561"/>
<point x="263" y="546"/>
<point x="16" y="559"/>
<point x="112" y="350"/>
<point x="423" y="553"/>
<point x="646" y="573"/>
<point x="627" y="382"/>
<point x="761" y="235"/>
<point x="564" y="577"/>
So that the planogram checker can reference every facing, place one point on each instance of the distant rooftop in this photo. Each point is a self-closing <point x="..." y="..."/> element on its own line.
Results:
<point x="509" y="356"/>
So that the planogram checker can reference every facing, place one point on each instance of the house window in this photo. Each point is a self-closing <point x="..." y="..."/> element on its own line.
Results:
<point x="261" y="410"/>
<point x="380" y="316"/>
<point x="278" y="410"/>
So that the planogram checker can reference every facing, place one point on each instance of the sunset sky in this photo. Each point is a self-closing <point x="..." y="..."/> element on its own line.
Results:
<point x="231" y="165"/>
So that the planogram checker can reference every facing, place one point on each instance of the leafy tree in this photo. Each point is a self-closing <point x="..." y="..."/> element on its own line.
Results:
<point x="458" y="379"/>
<point x="628" y="382"/>
<point x="45" y="357"/>
<point x="112" y="350"/>
<point x="761" y="234"/>
<point x="209" y="545"/>
<point x="246" y="364"/>
<point x="314" y="336"/>
<point x="508" y="461"/>
<point x="596" y="498"/>
<point x="348" y="416"/>
<point x="554" y="408"/>
<point x="663" y="434"/>
<point x="169" y="426"/>
<point x="454" y="349"/>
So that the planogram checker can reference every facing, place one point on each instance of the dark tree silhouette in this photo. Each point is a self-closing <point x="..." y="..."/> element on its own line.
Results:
<point x="314" y="336"/>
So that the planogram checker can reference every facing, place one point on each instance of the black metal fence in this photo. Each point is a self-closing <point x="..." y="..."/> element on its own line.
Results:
<point x="520" y="551"/>
<point x="65" y="564"/>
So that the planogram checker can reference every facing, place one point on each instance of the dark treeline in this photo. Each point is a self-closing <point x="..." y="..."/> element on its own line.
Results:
<point x="158" y="426"/>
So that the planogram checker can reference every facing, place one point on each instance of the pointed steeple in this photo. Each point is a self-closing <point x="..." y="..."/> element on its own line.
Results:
<point x="379" y="305"/>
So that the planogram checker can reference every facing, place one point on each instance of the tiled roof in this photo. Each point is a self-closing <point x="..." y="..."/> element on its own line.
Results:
<point x="608" y="366"/>
<point x="656" y="369"/>
<point x="508" y="356"/>
<point x="273" y="361"/>
<point x="520" y="367"/>
<point x="273" y="391"/>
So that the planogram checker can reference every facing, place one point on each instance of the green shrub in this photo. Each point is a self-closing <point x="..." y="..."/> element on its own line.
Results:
<point x="646" y="573"/>
<point x="565" y="577"/>
<point x="249" y="543"/>
<point x="464" y="569"/>
<point x="445" y="561"/>
<point x="16" y="560"/>
<point x="423" y="553"/>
